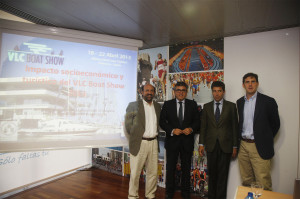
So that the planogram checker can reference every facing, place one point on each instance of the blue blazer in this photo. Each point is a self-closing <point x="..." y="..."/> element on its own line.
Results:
<point x="265" y="125"/>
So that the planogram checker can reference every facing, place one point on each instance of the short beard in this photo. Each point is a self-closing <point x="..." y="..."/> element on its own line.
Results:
<point x="146" y="99"/>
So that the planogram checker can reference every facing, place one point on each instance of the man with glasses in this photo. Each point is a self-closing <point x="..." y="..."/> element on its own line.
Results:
<point x="180" y="119"/>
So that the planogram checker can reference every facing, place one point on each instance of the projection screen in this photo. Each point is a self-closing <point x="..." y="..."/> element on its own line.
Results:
<point x="62" y="88"/>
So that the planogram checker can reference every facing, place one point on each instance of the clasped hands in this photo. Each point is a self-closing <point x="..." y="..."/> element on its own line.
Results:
<point x="185" y="131"/>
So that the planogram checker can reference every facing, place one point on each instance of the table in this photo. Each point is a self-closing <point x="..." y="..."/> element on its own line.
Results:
<point x="242" y="192"/>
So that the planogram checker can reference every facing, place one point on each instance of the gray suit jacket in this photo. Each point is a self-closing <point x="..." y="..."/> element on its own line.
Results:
<point x="226" y="130"/>
<point x="135" y="123"/>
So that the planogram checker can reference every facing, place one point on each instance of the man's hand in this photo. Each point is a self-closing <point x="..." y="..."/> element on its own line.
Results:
<point x="187" y="131"/>
<point x="177" y="131"/>
<point x="234" y="153"/>
<point x="201" y="151"/>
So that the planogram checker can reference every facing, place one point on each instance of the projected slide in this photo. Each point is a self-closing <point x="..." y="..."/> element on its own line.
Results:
<point x="58" y="90"/>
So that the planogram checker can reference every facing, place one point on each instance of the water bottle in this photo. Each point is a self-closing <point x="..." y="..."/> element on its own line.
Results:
<point x="249" y="196"/>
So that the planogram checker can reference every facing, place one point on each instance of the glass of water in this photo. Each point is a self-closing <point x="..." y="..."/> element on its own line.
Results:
<point x="257" y="189"/>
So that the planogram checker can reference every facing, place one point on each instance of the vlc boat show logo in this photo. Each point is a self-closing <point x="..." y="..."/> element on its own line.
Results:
<point x="38" y="53"/>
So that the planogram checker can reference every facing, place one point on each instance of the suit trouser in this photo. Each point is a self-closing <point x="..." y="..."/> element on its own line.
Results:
<point x="185" y="160"/>
<point x="218" y="166"/>
<point x="252" y="167"/>
<point x="148" y="156"/>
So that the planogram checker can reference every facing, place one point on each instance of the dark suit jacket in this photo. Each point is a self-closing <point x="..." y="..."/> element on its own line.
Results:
<point x="226" y="130"/>
<point x="265" y="125"/>
<point x="135" y="123"/>
<point x="170" y="121"/>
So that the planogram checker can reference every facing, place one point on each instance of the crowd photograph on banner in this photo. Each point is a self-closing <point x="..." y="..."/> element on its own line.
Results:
<point x="199" y="84"/>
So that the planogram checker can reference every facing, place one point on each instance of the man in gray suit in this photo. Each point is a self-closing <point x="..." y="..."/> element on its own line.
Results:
<point x="219" y="136"/>
<point x="142" y="123"/>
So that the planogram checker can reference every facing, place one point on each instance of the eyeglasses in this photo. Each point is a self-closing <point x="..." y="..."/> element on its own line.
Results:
<point x="180" y="90"/>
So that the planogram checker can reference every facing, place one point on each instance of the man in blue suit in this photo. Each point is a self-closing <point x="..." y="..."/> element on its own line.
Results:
<point x="258" y="124"/>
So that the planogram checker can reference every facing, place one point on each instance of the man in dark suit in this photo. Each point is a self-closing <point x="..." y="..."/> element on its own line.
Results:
<point x="219" y="136"/>
<point x="142" y="123"/>
<point x="180" y="119"/>
<point x="258" y="124"/>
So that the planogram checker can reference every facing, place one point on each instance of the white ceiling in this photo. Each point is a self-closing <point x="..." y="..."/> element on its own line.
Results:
<point x="160" y="22"/>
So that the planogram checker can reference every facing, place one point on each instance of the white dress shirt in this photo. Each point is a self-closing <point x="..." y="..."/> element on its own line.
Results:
<point x="150" y="120"/>
<point x="178" y="105"/>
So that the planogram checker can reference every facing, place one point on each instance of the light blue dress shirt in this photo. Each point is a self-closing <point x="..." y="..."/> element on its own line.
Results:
<point x="249" y="109"/>
<point x="220" y="105"/>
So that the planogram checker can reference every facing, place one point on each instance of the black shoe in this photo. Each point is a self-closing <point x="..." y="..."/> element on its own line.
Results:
<point x="185" y="195"/>
<point x="169" y="196"/>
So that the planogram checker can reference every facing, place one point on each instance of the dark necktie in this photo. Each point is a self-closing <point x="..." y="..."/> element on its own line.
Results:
<point x="217" y="113"/>
<point x="180" y="114"/>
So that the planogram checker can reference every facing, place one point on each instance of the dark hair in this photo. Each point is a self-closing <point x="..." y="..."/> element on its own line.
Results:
<point x="181" y="84"/>
<point x="218" y="84"/>
<point x="146" y="85"/>
<point x="250" y="75"/>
